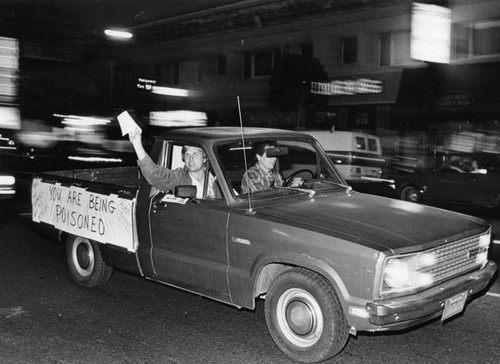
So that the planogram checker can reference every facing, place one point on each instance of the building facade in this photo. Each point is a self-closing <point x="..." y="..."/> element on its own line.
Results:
<point x="419" y="104"/>
<point x="222" y="60"/>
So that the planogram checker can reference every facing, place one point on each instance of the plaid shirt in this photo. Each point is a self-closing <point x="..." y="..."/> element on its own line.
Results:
<point x="257" y="179"/>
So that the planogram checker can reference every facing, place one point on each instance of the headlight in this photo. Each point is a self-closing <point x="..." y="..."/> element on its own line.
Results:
<point x="401" y="273"/>
<point x="484" y="244"/>
<point x="7" y="180"/>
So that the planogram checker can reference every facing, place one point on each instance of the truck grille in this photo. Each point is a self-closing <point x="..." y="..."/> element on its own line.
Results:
<point x="455" y="258"/>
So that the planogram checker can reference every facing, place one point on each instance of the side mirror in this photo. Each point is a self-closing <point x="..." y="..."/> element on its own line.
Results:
<point x="185" y="191"/>
<point x="276" y="151"/>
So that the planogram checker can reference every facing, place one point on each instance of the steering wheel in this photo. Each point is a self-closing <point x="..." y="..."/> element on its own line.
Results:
<point x="290" y="178"/>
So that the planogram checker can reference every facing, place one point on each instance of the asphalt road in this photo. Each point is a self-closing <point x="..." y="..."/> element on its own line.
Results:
<point x="46" y="318"/>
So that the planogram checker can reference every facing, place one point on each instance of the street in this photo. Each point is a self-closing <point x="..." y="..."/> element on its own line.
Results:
<point x="46" y="318"/>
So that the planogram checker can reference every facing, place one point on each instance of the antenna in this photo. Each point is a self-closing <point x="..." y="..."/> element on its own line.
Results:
<point x="244" y="155"/>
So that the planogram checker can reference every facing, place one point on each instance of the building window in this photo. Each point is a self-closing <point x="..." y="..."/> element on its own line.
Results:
<point x="486" y="38"/>
<point x="461" y="41"/>
<point x="259" y="63"/>
<point x="349" y="50"/>
<point x="183" y="72"/>
<point x="476" y="40"/>
<point x="394" y="49"/>
<point x="221" y="65"/>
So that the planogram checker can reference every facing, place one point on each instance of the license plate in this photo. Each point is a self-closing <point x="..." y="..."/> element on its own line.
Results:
<point x="454" y="305"/>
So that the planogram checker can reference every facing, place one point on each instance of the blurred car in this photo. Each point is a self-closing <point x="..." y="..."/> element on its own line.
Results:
<point x="7" y="145"/>
<point x="455" y="178"/>
<point x="7" y="190"/>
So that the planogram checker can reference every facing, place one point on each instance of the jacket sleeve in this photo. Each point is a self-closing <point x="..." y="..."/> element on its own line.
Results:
<point x="160" y="177"/>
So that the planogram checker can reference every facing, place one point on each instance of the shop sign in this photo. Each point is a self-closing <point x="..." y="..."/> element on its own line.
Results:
<point x="454" y="100"/>
<point x="145" y="84"/>
<point x="347" y="87"/>
<point x="269" y="118"/>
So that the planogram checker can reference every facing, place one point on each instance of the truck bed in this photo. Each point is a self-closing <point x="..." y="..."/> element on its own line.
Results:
<point x="119" y="176"/>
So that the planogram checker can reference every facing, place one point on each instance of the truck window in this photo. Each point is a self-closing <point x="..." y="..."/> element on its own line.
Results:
<point x="211" y="187"/>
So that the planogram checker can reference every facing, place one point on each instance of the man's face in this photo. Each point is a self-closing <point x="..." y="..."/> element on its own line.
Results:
<point x="266" y="162"/>
<point x="194" y="158"/>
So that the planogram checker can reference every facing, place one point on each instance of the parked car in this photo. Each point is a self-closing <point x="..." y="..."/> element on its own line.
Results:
<point x="455" y="177"/>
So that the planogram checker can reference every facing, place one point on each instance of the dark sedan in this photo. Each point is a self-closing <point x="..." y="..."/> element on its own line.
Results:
<point x="457" y="178"/>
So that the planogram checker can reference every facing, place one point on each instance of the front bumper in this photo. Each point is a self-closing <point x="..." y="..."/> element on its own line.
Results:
<point x="404" y="312"/>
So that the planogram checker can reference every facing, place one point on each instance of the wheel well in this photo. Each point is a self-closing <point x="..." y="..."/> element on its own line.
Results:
<point x="268" y="273"/>
<point x="272" y="270"/>
<point x="63" y="237"/>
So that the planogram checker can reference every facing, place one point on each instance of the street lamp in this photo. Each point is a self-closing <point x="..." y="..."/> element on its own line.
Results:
<point x="118" y="34"/>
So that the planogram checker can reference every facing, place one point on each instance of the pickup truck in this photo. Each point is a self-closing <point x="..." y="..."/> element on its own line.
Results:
<point x="328" y="261"/>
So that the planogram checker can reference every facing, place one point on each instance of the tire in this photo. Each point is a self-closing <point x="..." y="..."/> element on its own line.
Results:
<point x="305" y="317"/>
<point x="410" y="194"/>
<point x="85" y="262"/>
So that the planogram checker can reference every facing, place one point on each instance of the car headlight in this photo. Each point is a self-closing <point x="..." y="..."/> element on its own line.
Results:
<point x="403" y="273"/>
<point x="484" y="244"/>
<point x="7" y="180"/>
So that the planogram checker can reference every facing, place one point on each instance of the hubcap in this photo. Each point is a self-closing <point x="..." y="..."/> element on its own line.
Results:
<point x="411" y="195"/>
<point x="83" y="257"/>
<point x="299" y="317"/>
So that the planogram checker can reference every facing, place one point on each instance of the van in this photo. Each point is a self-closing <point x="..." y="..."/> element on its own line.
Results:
<point x="356" y="155"/>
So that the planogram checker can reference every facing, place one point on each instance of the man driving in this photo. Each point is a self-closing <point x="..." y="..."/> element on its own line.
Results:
<point x="261" y="176"/>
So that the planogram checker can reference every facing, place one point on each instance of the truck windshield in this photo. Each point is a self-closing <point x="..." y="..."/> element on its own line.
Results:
<point x="277" y="167"/>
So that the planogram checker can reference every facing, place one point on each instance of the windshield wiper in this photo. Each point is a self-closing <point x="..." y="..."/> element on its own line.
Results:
<point x="305" y="190"/>
<point x="347" y="187"/>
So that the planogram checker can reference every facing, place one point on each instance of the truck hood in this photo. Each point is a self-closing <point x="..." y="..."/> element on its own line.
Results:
<point x="382" y="223"/>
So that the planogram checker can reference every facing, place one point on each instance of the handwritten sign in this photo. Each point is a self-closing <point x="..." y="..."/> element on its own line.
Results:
<point x="103" y="218"/>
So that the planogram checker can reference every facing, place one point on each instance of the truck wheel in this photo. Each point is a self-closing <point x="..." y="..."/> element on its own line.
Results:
<point x="85" y="262"/>
<point x="304" y="316"/>
<point x="411" y="194"/>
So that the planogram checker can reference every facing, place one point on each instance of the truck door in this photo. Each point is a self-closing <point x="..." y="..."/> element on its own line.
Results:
<point x="188" y="237"/>
<point x="189" y="247"/>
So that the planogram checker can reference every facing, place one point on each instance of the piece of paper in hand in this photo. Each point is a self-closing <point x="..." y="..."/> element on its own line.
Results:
<point x="127" y="124"/>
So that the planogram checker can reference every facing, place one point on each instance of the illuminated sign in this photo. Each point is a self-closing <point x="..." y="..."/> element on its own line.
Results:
<point x="170" y="91"/>
<point x="177" y="118"/>
<point x="430" y="33"/>
<point x="145" y="84"/>
<point x="150" y="85"/>
<point x="10" y="117"/>
<point x="347" y="87"/>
